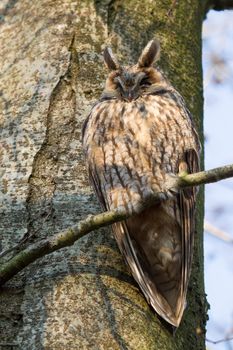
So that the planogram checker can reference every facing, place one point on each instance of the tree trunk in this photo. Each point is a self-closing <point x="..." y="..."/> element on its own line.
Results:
<point x="81" y="297"/>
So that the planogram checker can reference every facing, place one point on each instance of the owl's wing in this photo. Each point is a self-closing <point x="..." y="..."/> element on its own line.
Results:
<point x="96" y="184"/>
<point x="186" y="203"/>
<point x="187" y="200"/>
<point x="158" y="246"/>
<point x="157" y="243"/>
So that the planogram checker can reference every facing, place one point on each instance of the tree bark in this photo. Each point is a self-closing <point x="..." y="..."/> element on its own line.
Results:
<point x="81" y="297"/>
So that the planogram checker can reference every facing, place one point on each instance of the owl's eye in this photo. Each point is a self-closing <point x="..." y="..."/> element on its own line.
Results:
<point x="119" y="83"/>
<point x="145" y="82"/>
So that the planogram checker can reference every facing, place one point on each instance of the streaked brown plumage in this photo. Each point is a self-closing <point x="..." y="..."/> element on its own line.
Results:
<point x="137" y="135"/>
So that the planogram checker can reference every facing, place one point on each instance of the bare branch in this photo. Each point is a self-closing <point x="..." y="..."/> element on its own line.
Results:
<point x="205" y="177"/>
<point x="93" y="222"/>
<point x="219" y="341"/>
<point x="215" y="231"/>
<point x="60" y="240"/>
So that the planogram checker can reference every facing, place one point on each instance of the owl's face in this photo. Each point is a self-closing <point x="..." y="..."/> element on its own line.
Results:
<point x="129" y="83"/>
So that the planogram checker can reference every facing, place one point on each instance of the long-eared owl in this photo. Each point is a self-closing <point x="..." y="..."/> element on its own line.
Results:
<point x="137" y="135"/>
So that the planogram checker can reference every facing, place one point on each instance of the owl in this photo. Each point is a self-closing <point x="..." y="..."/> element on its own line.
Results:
<point x="137" y="135"/>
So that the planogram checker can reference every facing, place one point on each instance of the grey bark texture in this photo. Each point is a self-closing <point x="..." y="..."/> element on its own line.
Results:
<point x="82" y="297"/>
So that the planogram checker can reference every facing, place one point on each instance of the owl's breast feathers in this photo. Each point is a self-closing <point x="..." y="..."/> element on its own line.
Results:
<point x="131" y="147"/>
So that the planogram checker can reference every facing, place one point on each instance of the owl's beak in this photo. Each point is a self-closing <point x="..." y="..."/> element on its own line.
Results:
<point x="130" y="95"/>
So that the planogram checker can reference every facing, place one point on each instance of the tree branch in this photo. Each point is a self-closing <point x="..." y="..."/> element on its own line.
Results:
<point x="60" y="240"/>
<point x="219" y="341"/>
<point x="219" y="5"/>
<point x="205" y="177"/>
<point x="215" y="231"/>
<point x="93" y="222"/>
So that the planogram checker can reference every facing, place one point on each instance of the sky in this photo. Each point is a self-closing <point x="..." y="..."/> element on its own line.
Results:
<point x="218" y="128"/>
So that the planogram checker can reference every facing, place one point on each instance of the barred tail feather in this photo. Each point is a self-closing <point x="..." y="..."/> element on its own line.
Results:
<point x="155" y="265"/>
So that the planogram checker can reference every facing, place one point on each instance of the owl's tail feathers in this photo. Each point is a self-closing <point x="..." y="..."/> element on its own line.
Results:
<point x="153" y="253"/>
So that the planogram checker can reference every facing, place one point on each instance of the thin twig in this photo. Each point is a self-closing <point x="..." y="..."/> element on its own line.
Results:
<point x="60" y="240"/>
<point x="93" y="222"/>
<point x="206" y="177"/>
<point x="215" y="231"/>
<point x="219" y="341"/>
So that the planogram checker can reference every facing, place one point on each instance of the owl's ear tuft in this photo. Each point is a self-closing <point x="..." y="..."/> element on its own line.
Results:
<point x="110" y="60"/>
<point x="150" y="54"/>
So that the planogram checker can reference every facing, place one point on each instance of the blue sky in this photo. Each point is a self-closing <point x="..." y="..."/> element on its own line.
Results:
<point x="218" y="123"/>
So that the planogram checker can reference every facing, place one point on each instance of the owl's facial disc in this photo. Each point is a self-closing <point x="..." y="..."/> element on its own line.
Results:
<point x="127" y="89"/>
<point x="131" y="85"/>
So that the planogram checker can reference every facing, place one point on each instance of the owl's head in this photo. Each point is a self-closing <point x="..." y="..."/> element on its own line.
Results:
<point x="129" y="83"/>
